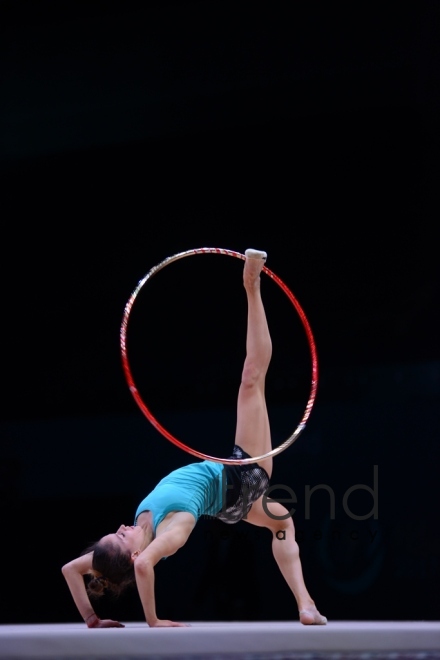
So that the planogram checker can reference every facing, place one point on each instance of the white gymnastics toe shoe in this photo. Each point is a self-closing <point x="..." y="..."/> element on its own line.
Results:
<point x="255" y="254"/>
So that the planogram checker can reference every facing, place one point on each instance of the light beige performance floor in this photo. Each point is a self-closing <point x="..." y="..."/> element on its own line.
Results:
<point x="244" y="641"/>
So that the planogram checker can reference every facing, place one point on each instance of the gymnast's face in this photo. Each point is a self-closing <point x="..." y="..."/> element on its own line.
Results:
<point x="130" y="538"/>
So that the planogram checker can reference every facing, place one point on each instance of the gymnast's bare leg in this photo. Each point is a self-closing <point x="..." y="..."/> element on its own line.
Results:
<point x="253" y="436"/>
<point x="252" y="430"/>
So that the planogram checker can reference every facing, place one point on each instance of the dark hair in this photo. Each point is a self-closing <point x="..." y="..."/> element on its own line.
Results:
<point x="115" y="566"/>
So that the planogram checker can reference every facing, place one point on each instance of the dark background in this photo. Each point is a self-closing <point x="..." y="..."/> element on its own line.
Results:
<point x="134" y="131"/>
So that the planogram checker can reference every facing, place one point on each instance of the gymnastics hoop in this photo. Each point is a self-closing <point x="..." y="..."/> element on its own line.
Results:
<point x="148" y="414"/>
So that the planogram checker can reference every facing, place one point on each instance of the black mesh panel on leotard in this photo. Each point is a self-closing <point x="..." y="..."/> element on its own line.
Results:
<point x="249" y="482"/>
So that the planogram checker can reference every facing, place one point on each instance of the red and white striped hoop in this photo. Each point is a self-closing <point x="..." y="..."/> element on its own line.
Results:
<point x="147" y="412"/>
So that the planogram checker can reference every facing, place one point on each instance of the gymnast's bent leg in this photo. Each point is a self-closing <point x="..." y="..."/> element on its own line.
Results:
<point x="275" y="517"/>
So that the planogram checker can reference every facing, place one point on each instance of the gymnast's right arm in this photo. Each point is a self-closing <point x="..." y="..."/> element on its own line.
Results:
<point x="74" y="573"/>
<point x="163" y="546"/>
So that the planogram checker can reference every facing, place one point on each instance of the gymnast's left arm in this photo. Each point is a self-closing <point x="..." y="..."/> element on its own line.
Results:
<point x="74" y="572"/>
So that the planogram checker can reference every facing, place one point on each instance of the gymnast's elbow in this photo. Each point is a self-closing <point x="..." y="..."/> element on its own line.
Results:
<point x="143" y="568"/>
<point x="67" y="569"/>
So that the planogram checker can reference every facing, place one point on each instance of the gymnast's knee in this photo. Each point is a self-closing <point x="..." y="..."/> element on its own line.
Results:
<point x="251" y="375"/>
<point x="281" y="524"/>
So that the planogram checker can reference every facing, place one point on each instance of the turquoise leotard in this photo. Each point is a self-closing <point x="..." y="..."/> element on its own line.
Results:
<point x="196" y="488"/>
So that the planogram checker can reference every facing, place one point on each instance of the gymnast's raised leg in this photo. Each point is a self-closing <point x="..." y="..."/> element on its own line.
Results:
<point x="253" y="436"/>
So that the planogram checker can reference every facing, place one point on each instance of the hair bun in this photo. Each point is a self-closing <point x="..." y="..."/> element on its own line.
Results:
<point x="97" y="586"/>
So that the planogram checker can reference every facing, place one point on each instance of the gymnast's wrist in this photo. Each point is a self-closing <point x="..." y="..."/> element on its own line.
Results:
<point x="92" y="620"/>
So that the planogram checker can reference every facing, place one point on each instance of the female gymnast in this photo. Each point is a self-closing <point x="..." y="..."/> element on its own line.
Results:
<point x="165" y="519"/>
